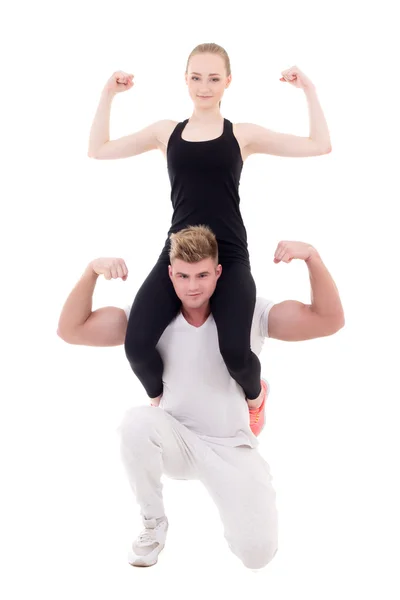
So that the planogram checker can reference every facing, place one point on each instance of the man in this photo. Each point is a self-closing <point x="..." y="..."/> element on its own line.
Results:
<point x="201" y="429"/>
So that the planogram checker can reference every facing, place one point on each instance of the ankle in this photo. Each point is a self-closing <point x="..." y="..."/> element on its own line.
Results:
<point x="253" y="404"/>
<point x="155" y="401"/>
<point x="257" y="402"/>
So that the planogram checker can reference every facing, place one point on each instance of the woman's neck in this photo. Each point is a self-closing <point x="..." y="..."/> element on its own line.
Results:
<point x="206" y="117"/>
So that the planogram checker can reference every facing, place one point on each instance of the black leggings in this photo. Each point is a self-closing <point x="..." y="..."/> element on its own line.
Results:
<point x="232" y="306"/>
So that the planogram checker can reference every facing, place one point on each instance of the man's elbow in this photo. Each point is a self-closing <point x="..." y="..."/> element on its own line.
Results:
<point x="334" y="324"/>
<point x="68" y="336"/>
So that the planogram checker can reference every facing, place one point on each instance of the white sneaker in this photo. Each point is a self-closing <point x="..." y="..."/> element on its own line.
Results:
<point x="151" y="541"/>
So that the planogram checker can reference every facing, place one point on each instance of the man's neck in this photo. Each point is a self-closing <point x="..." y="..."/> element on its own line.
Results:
<point x="196" y="316"/>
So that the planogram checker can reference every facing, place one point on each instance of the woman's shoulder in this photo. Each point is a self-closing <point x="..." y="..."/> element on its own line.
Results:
<point x="244" y="128"/>
<point x="163" y="130"/>
<point x="243" y="132"/>
<point x="166" y="126"/>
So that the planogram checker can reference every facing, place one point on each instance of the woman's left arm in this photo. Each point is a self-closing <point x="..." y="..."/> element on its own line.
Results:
<point x="259" y="140"/>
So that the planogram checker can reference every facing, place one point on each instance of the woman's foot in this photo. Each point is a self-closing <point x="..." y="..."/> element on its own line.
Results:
<point x="156" y="401"/>
<point x="257" y="409"/>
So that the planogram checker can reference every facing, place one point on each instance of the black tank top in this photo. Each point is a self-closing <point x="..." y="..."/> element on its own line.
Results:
<point x="205" y="180"/>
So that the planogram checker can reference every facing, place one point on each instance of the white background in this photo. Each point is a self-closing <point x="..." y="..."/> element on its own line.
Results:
<point x="68" y="515"/>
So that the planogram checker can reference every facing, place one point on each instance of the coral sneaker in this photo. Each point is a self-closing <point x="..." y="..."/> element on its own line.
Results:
<point x="257" y="415"/>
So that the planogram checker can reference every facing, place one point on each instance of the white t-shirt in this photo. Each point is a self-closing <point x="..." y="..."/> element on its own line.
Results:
<point x="198" y="389"/>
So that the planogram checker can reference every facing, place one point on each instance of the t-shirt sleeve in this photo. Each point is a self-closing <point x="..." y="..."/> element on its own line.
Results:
<point x="263" y="307"/>
<point x="127" y="310"/>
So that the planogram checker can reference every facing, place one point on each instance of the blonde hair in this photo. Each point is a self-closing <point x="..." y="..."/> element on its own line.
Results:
<point x="193" y="244"/>
<point x="211" y="49"/>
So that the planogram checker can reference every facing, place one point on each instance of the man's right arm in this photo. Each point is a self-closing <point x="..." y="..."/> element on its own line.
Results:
<point x="78" y="324"/>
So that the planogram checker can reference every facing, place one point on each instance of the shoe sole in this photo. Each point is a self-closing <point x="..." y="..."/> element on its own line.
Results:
<point x="140" y="561"/>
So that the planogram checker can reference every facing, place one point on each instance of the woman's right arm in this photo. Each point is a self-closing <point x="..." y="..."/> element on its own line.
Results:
<point x="100" y="145"/>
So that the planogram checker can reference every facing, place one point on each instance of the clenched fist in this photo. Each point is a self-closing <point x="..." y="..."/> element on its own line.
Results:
<point x="297" y="78"/>
<point x="287" y="251"/>
<point x="119" y="82"/>
<point x="111" y="268"/>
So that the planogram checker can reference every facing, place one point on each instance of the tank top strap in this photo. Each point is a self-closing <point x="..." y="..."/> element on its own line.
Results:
<point x="177" y="132"/>
<point x="228" y="128"/>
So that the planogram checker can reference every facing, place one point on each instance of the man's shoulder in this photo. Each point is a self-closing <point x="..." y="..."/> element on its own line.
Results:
<point x="260" y="317"/>
<point x="262" y="304"/>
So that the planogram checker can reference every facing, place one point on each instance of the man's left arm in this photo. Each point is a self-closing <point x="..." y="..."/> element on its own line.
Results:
<point x="294" y="321"/>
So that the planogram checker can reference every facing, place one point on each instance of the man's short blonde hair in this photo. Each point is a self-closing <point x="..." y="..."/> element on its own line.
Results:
<point x="193" y="244"/>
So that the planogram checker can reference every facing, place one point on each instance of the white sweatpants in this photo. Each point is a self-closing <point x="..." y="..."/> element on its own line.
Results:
<point x="238" y="479"/>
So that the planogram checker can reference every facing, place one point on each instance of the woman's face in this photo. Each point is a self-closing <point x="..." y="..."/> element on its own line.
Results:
<point x="207" y="79"/>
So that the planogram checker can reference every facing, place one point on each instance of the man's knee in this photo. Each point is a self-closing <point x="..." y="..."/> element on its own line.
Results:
<point x="257" y="556"/>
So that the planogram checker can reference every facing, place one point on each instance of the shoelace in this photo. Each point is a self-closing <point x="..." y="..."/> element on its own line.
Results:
<point x="148" y="536"/>
<point x="254" y="417"/>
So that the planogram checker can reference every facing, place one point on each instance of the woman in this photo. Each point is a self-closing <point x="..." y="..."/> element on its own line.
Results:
<point x="205" y="156"/>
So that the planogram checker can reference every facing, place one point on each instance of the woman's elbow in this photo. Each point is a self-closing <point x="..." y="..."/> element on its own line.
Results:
<point x="327" y="149"/>
<point x="95" y="151"/>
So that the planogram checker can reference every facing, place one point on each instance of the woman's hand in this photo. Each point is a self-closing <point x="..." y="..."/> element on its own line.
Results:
<point x="296" y="78"/>
<point x="119" y="82"/>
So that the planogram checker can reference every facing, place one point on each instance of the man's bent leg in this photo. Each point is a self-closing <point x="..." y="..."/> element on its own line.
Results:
<point x="239" y="481"/>
<point x="153" y="443"/>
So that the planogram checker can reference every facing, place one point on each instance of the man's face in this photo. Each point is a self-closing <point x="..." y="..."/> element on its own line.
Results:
<point x="194" y="283"/>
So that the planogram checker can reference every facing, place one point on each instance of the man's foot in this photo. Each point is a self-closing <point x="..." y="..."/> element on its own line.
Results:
<point x="257" y="415"/>
<point x="151" y="541"/>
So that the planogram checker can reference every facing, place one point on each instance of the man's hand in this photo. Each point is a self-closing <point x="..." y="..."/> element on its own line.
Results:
<point x="111" y="268"/>
<point x="287" y="251"/>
